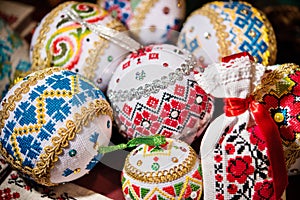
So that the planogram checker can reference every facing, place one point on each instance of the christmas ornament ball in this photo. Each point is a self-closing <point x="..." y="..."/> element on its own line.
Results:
<point x="150" y="21"/>
<point x="279" y="92"/>
<point x="222" y="28"/>
<point x="168" y="171"/>
<point x="153" y="91"/>
<point x="52" y="123"/>
<point x="14" y="57"/>
<point x="60" y="41"/>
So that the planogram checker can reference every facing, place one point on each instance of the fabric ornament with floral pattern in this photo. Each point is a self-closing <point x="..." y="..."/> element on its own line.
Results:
<point x="153" y="91"/>
<point x="279" y="93"/>
<point x="241" y="151"/>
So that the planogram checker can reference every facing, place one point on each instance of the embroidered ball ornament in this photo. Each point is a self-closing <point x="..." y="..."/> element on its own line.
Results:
<point x="150" y="21"/>
<point x="52" y="124"/>
<point x="279" y="92"/>
<point x="222" y="28"/>
<point x="59" y="41"/>
<point x="153" y="91"/>
<point x="14" y="59"/>
<point x="168" y="171"/>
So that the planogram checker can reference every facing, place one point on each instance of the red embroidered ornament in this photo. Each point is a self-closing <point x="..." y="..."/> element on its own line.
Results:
<point x="242" y="146"/>
<point x="279" y="93"/>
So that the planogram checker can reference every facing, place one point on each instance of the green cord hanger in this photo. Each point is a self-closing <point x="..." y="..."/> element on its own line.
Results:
<point x="154" y="140"/>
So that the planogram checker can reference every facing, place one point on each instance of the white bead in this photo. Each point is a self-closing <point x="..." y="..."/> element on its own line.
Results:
<point x="174" y="114"/>
<point x="194" y="195"/>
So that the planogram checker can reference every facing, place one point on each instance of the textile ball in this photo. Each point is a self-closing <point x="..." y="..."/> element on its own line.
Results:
<point x="52" y="123"/>
<point x="219" y="29"/>
<point x="150" y="21"/>
<point x="153" y="91"/>
<point x="169" y="171"/>
<point x="61" y="42"/>
<point x="14" y="58"/>
<point x="279" y="92"/>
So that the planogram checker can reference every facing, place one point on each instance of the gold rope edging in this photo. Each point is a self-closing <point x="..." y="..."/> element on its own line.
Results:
<point x="219" y="27"/>
<point x="162" y="176"/>
<point x="41" y="173"/>
<point x="99" y="48"/>
<point x="37" y="62"/>
<point x="42" y="170"/>
<point x="8" y="105"/>
<point x="140" y="13"/>
<point x="271" y="78"/>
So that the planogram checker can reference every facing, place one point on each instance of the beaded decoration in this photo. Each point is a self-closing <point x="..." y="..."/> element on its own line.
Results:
<point x="168" y="171"/>
<point x="222" y="28"/>
<point x="51" y="125"/>
<point x="153" y="91"/>
<point x="279" y="92"/>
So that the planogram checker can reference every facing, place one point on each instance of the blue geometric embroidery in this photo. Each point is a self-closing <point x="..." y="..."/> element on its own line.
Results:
<point x="57" y="109"/>
<point x="29" y="146"/>
<point x="46" y="131"/>
<point x="38" y="91"/>
<point x="8" y="129"/>
<point x="94" y="137"/>
<point x="59" y="82"/>
<point x="78" y="99"/>
<point x="25" y="114"/>
<point x="34" y="120"/>
<point x="94" y="161"/>
<point x="67" y="172"/>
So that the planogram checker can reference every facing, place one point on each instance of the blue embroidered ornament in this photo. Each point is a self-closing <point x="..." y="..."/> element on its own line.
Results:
<point x="14" y="57"/>
<point x="52" y="124"/>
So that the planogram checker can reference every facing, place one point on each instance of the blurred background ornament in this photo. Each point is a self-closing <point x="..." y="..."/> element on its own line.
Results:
<point x="153" y="91"/>
<point x="52" y="124"/>
<point x="150" y="21"/>
<point x="14" y="57"/>
<point x="222" y="28"/>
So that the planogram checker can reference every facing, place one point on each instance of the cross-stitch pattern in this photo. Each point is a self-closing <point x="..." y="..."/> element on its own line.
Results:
<point x="179" y="108"/>
<point x="53" y="110"/>
<point x="222" y="28"/>
<point x="151" y="172"/>
<point x="61" y="42"/>
<point x="279" y="92"/>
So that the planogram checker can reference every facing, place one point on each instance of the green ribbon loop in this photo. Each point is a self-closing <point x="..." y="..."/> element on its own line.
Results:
<point x="154" y="140"/>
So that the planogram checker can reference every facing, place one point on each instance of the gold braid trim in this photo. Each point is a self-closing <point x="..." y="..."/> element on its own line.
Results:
<point x="292" y="149"/>
<point x="100" y="46"/>
<point x="269" y="81"/>
<point x="292" y="154"/>
<point x="219" y="27"/>
<point x="37" y="62"/>
<point x="140" y="13"/>
<point x="41" y="172"/>
<point x="162" y="176"/>
<point x="8" y="105"/>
